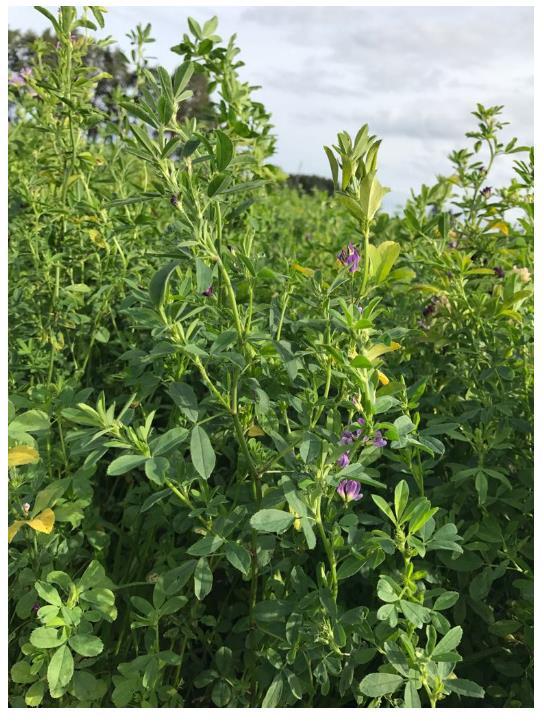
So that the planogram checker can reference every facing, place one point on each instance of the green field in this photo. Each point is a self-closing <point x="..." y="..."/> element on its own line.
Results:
<point x="269" y="446"/>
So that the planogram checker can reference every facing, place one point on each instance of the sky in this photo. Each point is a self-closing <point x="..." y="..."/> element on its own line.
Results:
<point x="414" y="74"/>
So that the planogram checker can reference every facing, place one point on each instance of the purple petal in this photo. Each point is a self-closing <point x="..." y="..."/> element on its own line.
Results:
<point x="379" y="441"/>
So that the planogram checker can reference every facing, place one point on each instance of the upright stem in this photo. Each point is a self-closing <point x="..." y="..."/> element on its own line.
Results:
<point x="365" y="230"/>
<point x="328" y="550"/>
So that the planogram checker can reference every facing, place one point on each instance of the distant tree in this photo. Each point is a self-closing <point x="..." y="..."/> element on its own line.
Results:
<point x="112" y="60"/>
<point x="308" y="183"/>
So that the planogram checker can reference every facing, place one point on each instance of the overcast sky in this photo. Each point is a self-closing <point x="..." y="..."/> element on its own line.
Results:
<point x="413" y="73"/>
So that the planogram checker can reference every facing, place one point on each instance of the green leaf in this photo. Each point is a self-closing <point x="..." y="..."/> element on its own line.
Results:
<point x="380" y="684"/>
<point x="295" y="685"/>
<point x="384" y="403"/>
<point x="382" y="259"/>
<point x="204" y="275"/>
<point x="481" y="484"/>
<point x="49" y="495"/>
<point x="221" y="693"/>
<point x="49" y="593"/>
<point x="93" y="575"/>
<point x="60" y="669"/>
<point x="29" y="422"/>
<point x="217" y="184"/>
<point x="181" y="77"/>
<point x="202" y="453"/>
<point x="21" y="672"/>
<point x="349" y="567"/>
<point x="175" y="579"/>
<point x="87" y="687"/>
<point x="184" y="397"/>
<point x="450" y="641"/>
<point x="334" y="165"/>
<point x="404" y="425"/>
<point x="402" y="494"/>
<point x="165" y="109"/>
<point x="156" y="469"/>
<point x="159" y="283"/>
<point x="463" y="687"/>
<point x="273" y="696"/>
<point x="446" y="600"/>
<point x="154" y="498"/>
<point x="371" y="195"/>
<point x="386" y="592"/>
<point x="203" y="579"/>
<point x="205" y="546"/>
<point x="411" y="696"/>
<point x="195" y="28"/>
<point x="34" y="695"/>
<point x="51" y="19"/>
<point x="168" y="441"/>
<point x="86" y="644"/>
<point x="124" y="464"/>
<point x="271" y="520"/>
<point x="224" y="150"/>
<point x="384" y="508"/>
<point x="353" y="208"/>
<point x="299" y="507"/>
<point x="47" y="637"/>
<point x="416" y="614"/>
<point x="238" y="557"/>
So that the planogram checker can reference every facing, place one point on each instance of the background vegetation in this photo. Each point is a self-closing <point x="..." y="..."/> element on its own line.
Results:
<point x="267" y="447"/>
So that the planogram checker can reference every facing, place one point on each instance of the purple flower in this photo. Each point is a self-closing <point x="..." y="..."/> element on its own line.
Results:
<point x="16" y="80"/>
<point x="486" y="192"/>
<point x="348" y="437"/>
<point x="343" y="461"/>
<point x="499" y="272"/>
<point x="349" y="490"/>
<point x="20" y="78"/>
<point x="36" y="607"/>
<point x="379" y="441"/>
<point x="208" y="291"/>
<point x="350" y="257"/>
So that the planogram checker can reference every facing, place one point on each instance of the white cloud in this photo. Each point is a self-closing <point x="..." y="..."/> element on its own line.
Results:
<point x="413" y="73"/>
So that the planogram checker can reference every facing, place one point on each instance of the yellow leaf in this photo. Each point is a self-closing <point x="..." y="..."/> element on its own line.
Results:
<point x="21" y="455"/>
<point x="255" y="431"/>
<point x="502" y="227"/>
<point x="380" y="348"/>
<point x="44" y="521"/>
<point x="308" y="272"/>
<point x="13" y="529"/>
<point x="384" y="380"/>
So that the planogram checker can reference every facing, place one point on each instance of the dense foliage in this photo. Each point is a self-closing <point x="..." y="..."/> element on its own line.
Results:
<point x="266" y="448"/>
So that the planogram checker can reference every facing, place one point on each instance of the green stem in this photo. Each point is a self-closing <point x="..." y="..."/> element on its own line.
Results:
<point x="365" y="230"/>
<point x="328" y="550"/>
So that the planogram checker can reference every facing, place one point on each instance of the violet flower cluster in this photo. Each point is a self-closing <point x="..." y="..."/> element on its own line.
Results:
<point x="350" y="257"/>
<point x="348" y="437"/>
<point x="349" y="490"/>
<point x="20" y="78"/>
